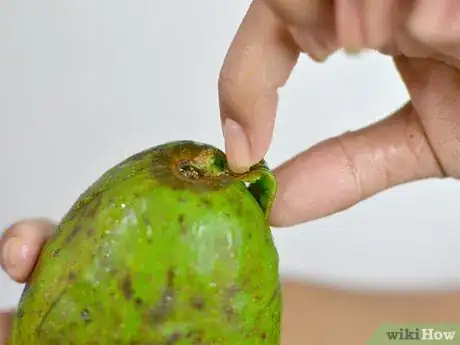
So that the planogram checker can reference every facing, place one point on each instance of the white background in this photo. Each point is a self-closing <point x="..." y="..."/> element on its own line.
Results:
<point x="84" y="84"/>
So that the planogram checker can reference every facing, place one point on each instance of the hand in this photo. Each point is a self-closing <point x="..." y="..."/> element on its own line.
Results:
<point x="421" y="140"/>
<point x="20" y="246"/>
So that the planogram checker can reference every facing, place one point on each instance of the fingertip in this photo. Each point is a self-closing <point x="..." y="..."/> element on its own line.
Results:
<point x="21" y="245"/>
<point x="19" y="257"/>
<point x="237" y="146"/>
<point x="248" y="134"/>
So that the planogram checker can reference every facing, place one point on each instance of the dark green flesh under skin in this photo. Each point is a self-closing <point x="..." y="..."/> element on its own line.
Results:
<point x="167" y="247"/>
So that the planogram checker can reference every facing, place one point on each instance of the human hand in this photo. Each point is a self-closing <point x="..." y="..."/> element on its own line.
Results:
<point x="421" y="140"/>
<point x="20" y="246"/>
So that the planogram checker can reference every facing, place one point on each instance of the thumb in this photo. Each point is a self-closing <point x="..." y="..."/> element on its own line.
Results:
<point x="338" y="173"/>
<point x="20" y="246"/>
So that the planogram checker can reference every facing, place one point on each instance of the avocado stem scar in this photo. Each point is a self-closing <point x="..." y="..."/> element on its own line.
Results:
<point x="211" y="166"/>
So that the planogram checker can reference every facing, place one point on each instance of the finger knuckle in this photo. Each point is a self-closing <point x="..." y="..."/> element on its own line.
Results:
<point x="351" y="166"/>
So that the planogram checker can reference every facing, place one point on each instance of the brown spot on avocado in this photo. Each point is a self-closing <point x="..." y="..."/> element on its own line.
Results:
<point x="229" y="312"/>
<point x="93" y="206"/>
<point x="182" y="223"/>
<point x="73" y="233"/>
<point x="165" y="305"/>
<point x="138" y="301"/>
<point x="197" y="303"/>
<point x="89" y="211"/>
<point x="206" y="202"/>
<point x="228" y="307"/>
<point x="173" y="338"/>
<point x="127" y="287"/>
<point x="232" y="290"/>
<point x="72" y="275"/>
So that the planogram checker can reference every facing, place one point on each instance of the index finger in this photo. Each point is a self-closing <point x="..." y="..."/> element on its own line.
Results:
<point x="259" y="61"/>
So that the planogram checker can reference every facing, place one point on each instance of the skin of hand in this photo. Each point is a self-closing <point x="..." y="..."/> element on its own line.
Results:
<point x="420" y="140"/>
<point x="310" y="312"/>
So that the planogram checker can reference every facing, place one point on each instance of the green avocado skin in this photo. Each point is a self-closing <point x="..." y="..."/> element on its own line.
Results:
<point x="147" y="257"/>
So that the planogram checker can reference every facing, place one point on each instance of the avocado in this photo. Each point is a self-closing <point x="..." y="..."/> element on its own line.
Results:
<point x="168" y="247"/>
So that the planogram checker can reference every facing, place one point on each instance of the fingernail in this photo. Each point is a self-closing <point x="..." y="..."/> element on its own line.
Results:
<point x="236" y="146"/>
<point x="352" y="51"/>
<point x="321" y="51"/>
<point x="14" y="252"/>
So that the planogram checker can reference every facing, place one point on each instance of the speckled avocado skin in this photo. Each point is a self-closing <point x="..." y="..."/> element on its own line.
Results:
<point x="167" y="248"/>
